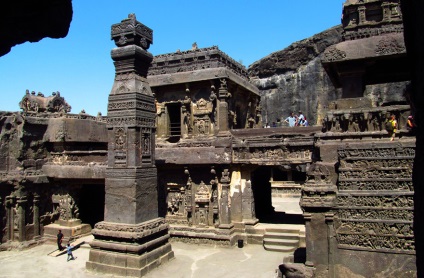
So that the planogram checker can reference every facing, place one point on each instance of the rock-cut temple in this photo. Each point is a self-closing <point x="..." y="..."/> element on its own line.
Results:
<point x="185" y="154"/>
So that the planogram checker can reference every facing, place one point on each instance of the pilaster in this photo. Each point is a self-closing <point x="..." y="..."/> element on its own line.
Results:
<point x="21" y="204"/>
<point x="10" y="215"/>
<point x="36" y="219"/>
<point x="225" y="206"/>
<point x="223" y="95"/>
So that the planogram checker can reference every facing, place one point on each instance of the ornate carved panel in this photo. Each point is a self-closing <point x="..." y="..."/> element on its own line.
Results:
<point x="375" y="198"/>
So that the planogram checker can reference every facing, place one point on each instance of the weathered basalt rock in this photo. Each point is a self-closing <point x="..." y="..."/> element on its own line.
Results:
<point x="296" y="55"/>
<point x="294" y="79"/>
<point x="28" y="20"/>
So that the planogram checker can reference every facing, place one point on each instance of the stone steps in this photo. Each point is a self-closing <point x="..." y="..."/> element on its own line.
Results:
<point x="281" y="239"/>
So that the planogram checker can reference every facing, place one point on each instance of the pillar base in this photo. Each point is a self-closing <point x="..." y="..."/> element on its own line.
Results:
<point x="129" y="249"/>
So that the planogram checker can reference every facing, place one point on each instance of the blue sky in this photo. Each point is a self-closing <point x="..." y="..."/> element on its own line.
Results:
<point x="79" y="66"/>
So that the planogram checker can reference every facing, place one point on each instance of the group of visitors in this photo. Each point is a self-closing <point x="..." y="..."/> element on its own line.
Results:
<point x="392" y="126"/>
<point x="292" y="120"/>
<point x="296" y="120"/>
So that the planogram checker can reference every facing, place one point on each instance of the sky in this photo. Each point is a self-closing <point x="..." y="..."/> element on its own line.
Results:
<point x="79" y="66"/>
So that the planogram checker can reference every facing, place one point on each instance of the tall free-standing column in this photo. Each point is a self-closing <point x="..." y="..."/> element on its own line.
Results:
<point x="132" y="239"/>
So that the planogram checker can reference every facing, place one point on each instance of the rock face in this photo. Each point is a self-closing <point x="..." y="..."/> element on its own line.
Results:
<point x="29" y="20"/>
<point x="296" y="55"/>
<point x="293" y="79"/>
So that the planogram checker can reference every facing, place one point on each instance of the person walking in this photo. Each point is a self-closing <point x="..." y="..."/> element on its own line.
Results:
<point x="69" y="252"/>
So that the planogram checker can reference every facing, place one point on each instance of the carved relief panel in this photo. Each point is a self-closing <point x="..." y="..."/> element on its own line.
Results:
<point x="120" y="150"/>
<point x="375" y="198"/>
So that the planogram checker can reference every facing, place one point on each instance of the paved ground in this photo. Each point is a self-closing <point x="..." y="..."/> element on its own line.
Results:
<point x="190" y="261"/>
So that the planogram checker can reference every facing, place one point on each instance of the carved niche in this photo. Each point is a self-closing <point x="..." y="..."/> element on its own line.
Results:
<point x="120" y="147"/>
<point x="202" y="112"/>
<point x="319" y="190"/>
<point x="201" y="199"/>
<point x="176" y="206"/>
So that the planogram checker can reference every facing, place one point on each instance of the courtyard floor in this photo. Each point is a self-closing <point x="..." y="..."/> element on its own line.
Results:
<point x="190" y="261"/>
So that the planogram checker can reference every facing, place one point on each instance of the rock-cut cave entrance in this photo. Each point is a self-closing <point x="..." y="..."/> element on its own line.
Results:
<point x="272" y="207"/>
<point x="92" y="203"/>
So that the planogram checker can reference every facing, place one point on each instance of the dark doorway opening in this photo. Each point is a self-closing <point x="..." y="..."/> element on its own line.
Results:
<point x="92" y="203"/>
<point x="174" y="114"/>
<point x="262" y="193"/>
<point x="261" y="188"/>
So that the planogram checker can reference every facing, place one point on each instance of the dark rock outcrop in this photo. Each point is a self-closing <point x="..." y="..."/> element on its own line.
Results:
<point x="294" y="79"/>
<point x="296" y="55"/>
<point x="33" y="20"/>
<point x="414" y="41"/>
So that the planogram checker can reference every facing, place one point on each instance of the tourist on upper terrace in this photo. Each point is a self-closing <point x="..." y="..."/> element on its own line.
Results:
<point x="305" y="122"/>
<point x="300" y="119"/>
<point x="410" y="125"/>
<point x="392" y="127"/>
<point x="291" y="120"/>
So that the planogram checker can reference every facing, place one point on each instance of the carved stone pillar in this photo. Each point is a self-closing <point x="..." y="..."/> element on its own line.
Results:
<point x="386" y="11"/>
<point x="132" y="239"/>
<point x="224" y="204"/>
<point x="309" y="248"/>
<point x="36" y="219"/>
<point x="21" y="203"/>
<point x="361" y="13"/>
<point x="223" y="95"/>
<point x="248" y="205"/>
<point x="329" y="219"/>
<point x="10" y="217"/>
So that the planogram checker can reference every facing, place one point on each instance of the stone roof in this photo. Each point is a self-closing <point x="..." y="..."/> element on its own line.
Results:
<point x="194" y="60"/>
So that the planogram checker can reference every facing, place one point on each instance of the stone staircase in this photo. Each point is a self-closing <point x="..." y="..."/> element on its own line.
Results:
<point x="283" y="239"/>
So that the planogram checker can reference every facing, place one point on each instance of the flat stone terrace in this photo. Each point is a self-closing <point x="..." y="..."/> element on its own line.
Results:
<point x="190" y="261"/>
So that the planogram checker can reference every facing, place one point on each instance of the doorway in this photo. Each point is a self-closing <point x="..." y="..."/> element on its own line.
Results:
<point x="92" y="203"/>
<point x="174" y="120"/>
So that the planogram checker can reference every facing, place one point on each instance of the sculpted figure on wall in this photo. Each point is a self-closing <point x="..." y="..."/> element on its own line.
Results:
<point x="66" y="206"/>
